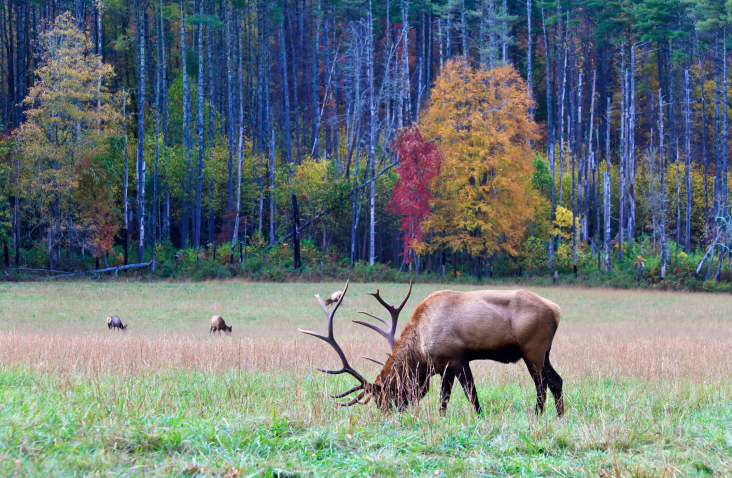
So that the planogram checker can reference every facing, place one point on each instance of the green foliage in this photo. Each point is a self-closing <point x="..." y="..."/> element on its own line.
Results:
<point x="541" y="178"/>
<point x="6" y="212"/>
<point x="660" y="20"/>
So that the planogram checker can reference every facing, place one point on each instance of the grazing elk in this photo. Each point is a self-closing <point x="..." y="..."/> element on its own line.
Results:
<point x="114" y="322"/>
<point x="448" y="330"/>
<point x="334" y="297"/>
<point x="217" y="323"/>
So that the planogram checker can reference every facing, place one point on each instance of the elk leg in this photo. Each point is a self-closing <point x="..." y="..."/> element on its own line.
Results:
<point x="465" y="376"/>
<point x="555" y="385"/>
<point x="448" y="378"/>
<point x="535" y="369"/>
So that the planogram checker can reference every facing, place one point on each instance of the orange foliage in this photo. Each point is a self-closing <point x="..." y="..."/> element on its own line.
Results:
<point x="483" y="193"/>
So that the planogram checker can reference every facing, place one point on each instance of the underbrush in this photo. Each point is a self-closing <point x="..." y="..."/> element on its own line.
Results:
<point x="640" y="267"/>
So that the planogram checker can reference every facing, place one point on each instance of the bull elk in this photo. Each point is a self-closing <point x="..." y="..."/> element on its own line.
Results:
<point x="446" y="332"/>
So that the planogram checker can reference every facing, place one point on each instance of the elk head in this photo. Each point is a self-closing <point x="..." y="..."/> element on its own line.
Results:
<point x="404" y="378"/>
<point x="393" y="387"/>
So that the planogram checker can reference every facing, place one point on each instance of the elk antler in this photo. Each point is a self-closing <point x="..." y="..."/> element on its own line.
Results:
<point x="346" y="368"/>
<point x="394" y="311"/>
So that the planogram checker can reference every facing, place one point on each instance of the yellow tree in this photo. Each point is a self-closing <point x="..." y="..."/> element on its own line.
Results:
<point x="67" y="144"/>
<point x="483" y="195"/>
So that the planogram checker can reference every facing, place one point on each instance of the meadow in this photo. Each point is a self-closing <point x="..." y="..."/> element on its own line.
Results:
<point x="647" y="377"/>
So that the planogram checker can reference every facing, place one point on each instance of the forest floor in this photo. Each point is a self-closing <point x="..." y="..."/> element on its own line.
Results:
<point x="646" y="374"/>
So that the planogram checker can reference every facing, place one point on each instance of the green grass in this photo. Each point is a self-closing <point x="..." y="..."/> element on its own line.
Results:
<point x="647" y="383"/>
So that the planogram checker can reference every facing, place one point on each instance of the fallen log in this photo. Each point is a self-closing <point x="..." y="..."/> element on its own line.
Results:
<point x="96" y="272"/>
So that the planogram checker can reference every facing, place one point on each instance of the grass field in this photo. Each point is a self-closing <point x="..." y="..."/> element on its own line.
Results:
<point x="648" y="388"/>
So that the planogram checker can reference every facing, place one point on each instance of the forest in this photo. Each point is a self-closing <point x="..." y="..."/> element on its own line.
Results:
<point x="453" y="137"/>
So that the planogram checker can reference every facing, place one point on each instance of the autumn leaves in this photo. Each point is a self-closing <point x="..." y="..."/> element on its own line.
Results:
<point x="72" y="127"/>
<point x="465" y="173"/>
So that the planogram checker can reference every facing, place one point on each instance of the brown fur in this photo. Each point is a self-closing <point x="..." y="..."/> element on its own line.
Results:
<point x="218" y="324"/>
<point x="333" y="297"/>
<point x="449" y="329"/>
<point x="114" y="322"/>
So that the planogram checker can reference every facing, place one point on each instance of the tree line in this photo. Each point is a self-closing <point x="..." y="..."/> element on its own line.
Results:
<point x="417" y="133"/>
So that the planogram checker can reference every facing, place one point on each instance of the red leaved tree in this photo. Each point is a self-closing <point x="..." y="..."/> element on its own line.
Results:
<point x="419" y="163"/>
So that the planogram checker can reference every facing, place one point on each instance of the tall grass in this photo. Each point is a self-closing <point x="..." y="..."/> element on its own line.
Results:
<point x="646" y="377"/>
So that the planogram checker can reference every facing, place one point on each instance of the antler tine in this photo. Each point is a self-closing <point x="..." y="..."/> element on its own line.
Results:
<point x="330" y="340"/>
<point x="347" y="392"/>
<point x="374" y="360"/>
<point x="377" y="296"/>
<point x="322" y="304"/>
<point x="393" y="311"/>
<point x="372" y="327"/>
<point x="406" y="298"/>
<point x="374" y="316"/>
<point x="353" y="401"/>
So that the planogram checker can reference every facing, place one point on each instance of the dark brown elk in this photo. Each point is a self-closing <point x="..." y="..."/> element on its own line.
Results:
<point x="114" y="322"/>
<point x="446" y="332"/>
<point x="334" y="297"/>
<point x="218" y="324"/>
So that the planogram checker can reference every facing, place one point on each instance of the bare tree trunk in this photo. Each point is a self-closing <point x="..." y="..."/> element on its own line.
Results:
<point x="199" y="126"/>
<point x="440" y="34"/>
<point x="125" y="201"/>
<point x="464" y="31"/>
<point x="315" y="65"/>
<point x="704" y="140"/>
<point x="631" y="148"/>
<point x="550" y="137"/>
<point x="186" y="133"/>
<point x="212" y="96"/>
<point x="260" y="102"/>
<point x="664" y="252"/>
<point x="165" y="236"/>
<point x="561" y="115"/>
<point x="235" y="235"/>
<point x="295" y="93"/>
<point x="141" y="136"/>
<point x="230" y="104"/>
<point x="529" y="57"/>
<point x="372" y="139"/>
<point x="504" y="33"/>
<point x="334" y="89"/>
<point x="158" y="85"/>
<point x="575" y="180"/>
<point x="285" y="93"/>
<point x="724" y="121"/>
<point x="687" y="158"/>
<point x="272" y="166"/>
<point x="589" y="162"/>
<point x="606" y="189"/>
<point x="678" y="203"/>
<point x="623" y="153"/>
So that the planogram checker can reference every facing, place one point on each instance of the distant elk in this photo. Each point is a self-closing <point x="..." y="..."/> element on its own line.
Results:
<point x="448" y="330"/>
<point x="334" y="297"/>
<point x="114" y="322"/>
<point x="218" y="324"/>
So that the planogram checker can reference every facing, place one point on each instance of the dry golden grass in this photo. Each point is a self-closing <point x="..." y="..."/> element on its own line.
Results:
<point x="648" y="335"/>
<point x="647" y="377"/>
